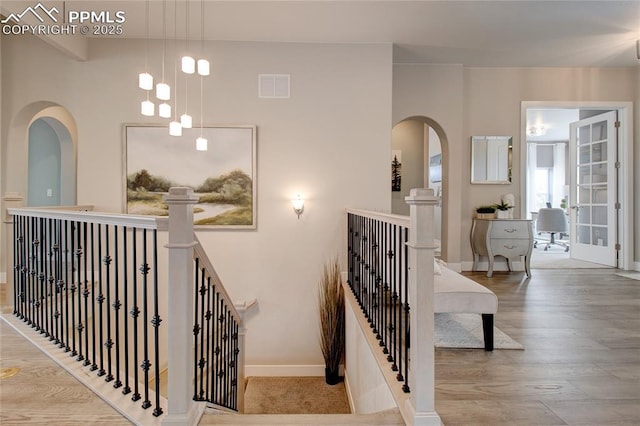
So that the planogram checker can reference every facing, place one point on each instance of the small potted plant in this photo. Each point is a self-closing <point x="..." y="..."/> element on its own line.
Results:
<point x="485" y="212"/>
<point x="332" y="321"/>
<point x="502" y="210"/>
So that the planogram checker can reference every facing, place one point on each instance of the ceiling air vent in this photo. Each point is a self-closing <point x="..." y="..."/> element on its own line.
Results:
<point x="274" y="86"/>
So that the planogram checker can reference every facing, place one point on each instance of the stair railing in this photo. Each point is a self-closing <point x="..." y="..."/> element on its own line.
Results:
<point x="390" y="273"/>
<point x="96" y="287"/>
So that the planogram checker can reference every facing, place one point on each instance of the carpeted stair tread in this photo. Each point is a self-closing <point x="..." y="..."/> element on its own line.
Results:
<point x="294" y="395"/>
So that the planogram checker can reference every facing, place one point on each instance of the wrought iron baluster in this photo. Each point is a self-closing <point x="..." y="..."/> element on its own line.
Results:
<point x="157" y="411"/>
<point x="135" y="312"/>
<point x="59" y="286"/>
<point x="125" y="291"/>
<point x="116" y="306"/>
<point x="79" y="254"/>
<point x="201" y="361"/>
<point x="108" y="342"/>
<point x="86" y="293"/>
<point x="94" y="365"/>
<point x="67" y="330"/>
<point x="196" y="329"/>
<point x="72" y="288"/>
<point x="401" y="275"/>
<point x="406" y="387"/>
<point x="100" y="300"/>
<point x="206" y="351"/>
<point x="146" y="363"/>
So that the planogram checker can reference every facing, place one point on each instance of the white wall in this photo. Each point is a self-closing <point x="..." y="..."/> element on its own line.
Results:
<point x="486" y="101"/>
<point x="408" y="137"/>
<point x="330" y="142"/>
<point x="368" y="389"/>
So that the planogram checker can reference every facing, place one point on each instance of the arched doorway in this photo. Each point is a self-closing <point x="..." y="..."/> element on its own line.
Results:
<point x="419" y="152"/>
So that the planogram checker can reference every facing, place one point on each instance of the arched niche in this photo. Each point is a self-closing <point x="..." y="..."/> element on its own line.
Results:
<point x="62" y="124"/>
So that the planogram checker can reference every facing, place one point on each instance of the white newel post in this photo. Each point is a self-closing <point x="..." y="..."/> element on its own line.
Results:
<point x="421" y="250"/>
<point x="10" y="200"/>
<point x="181" y="410"/>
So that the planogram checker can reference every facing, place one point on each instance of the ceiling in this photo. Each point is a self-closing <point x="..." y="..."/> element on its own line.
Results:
<point x="473" y="33"/>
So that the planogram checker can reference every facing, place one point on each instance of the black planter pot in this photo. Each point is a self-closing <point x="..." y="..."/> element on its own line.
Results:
<point x="331" y="377"/>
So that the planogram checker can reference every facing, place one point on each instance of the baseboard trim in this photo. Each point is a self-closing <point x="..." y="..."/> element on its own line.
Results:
<point x="3" y="277"/>
<point x="347" y="388"/>
<point x="284" y="370"/>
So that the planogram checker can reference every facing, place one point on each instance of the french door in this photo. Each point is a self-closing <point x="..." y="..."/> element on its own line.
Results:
<point x="593" y="189"/>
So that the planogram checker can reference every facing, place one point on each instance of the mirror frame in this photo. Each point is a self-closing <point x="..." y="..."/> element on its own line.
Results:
<point x="508" y="158"/>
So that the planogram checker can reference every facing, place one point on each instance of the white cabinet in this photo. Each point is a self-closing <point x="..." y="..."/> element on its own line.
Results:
<point x="510" y="238"/>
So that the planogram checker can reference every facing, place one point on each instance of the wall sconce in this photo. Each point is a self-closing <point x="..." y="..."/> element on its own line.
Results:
<point x="298" y="205"/>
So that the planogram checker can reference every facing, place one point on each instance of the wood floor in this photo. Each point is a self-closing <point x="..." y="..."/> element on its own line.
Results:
<point x="580" y="366"/>
<point x="581" y="363"/>
<point x="39" y="392"/>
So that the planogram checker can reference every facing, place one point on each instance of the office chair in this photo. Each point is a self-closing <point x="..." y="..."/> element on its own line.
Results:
<point x="552" y="221"/>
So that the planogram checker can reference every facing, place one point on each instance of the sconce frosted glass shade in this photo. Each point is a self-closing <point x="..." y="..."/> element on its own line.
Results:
<point x="188" y="64"/>
<point x="164" y="110"/>
<point x="175" y="128"/>
<point x="201" y="144"/>
<point x="298" y="205"/>
<point x="186" y="121"/>
<point x="163" y="91"/>
<point x="147" y="108"/>
<point x="145" y="81"/>
<point x="203" y="67"/>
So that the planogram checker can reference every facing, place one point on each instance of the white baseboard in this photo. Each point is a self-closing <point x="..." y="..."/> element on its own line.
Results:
<point x="284" y="370"/>
<point x="347" y="388"/>
<point x="636" y="266"/>
<point x="3" y="277"/>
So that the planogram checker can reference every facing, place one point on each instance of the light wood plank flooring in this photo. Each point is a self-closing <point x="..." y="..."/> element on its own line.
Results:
<point x="580" y="366"/>
<point x="42" y="393"/>
<point x="581" y="363"/>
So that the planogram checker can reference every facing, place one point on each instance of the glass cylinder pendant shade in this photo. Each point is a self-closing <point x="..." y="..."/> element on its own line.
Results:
<point x="188" y="64"/>
<point x="163" y="91"/>
<point x="164" y="110"/>
<point x="201" y="144"/>
<point x="145" y="81"/>
<point x="203" y="67"/>
<point x="175" y="128"/>
<point x="186" y="121"/>
<point x="147" y="108"/>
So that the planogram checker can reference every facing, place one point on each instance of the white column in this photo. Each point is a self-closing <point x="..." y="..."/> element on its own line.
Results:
<point x="181" y="410"/>
<point x="421" y="249"/>
<point x="10" y="200"/>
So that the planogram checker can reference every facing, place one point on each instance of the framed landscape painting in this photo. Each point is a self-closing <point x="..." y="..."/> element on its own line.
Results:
<point x="223" y="177"/>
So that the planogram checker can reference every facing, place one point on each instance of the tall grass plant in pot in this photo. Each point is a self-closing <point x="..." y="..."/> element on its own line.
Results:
<point x="332" y="321"/>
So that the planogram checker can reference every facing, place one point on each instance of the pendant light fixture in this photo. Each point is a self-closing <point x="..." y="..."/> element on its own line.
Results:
<point x="201" y="142"/>
<point x="175" y="127"/>
<point x="147" y="107"/>
<point x="163" y="91"/>
<point x="188" y="63"/>
<point x="145" y="80"/>
<point x="185" y="119"/>
<point x="203" y="64"/>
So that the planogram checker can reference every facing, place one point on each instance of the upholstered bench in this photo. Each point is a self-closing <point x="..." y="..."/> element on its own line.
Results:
<point x="455" y="293"/>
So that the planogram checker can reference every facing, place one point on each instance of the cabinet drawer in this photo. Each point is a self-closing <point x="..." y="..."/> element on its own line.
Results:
<point x="510" y="229"/>
<point x="510" y="247"/>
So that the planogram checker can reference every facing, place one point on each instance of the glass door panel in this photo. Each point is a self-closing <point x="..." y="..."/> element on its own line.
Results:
<point x="592" y="194"/>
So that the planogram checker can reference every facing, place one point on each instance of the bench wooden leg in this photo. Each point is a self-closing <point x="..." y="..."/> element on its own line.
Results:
<point x="487" y="328"/>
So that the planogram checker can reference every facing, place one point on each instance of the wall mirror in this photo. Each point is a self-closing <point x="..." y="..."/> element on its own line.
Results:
<point x="491" y="158"/>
